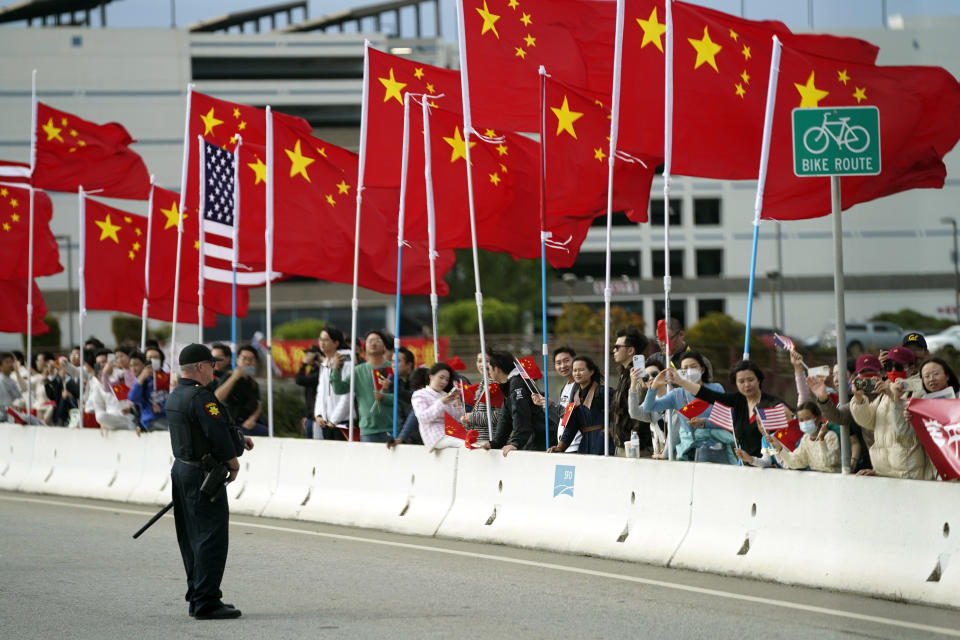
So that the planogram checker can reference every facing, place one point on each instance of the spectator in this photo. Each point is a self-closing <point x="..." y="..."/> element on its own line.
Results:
<point x="591" y="398"/>
<point x="376" y="419"/>
<point x="938" y="377"/>
<point x="476" y="416"/>
<point x="117" y="369"/>
<point x="827" y="401"/>
<point x="331" y="411"/>
<point x="9" y="391"/>
<point x="678" y="342"/>
<point x="563" y="365"/>
<point x="405" y="362"/>
<point x="640" y="380"/>
<point x="241" y="393"/>
<point x="433" y="402"/>
<point x="521" y="423"/>
<point x="917" y="343"/>
<point x="110" y="412"/>
<point x="700" y="440"/>
<point x="308" y="375"/>
<point x="143" y="394"/>
<point x="410" y="433"/>
<point x="630" y="342"/>
<point x="878" y="405"/>
<point x="818" y="448"/>
<point x="222" y="369"/>
<point x="748" y="378"/>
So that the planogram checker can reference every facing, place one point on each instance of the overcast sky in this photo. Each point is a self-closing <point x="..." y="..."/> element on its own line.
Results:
<point x="795" y="13"/>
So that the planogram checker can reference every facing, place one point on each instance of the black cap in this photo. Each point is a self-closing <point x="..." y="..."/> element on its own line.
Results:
<point x="915" y="338"/>
<point x="194" y="353"/>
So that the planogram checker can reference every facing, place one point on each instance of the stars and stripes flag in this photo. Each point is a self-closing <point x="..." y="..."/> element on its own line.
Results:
<point x="774" y="418"/>
<point x="783" y="342"/>
<point x="722" y="416"/>
<point x="218" y="232"/>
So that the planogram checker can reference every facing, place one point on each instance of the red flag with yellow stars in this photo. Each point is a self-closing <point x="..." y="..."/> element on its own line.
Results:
<point x="314" y="221"/>
<point x="13" y="311"/>
<point x="577" y="145"/>
<point x="72" y="152"/>
<point x="721" y="64"/>
<point x="14" y="234"/>
<point x="114" y="250"/>
<point x="163" y="258"/>
<point x="508" y="40"/>
<point x="390" y="78"/>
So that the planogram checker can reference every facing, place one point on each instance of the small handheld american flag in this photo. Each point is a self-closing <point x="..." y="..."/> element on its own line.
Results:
<point x="784" y="342"/>
<point x="774" y="418"/>
<point x="722" y="416"/>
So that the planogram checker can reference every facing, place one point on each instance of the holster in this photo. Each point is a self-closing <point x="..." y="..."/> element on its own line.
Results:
<point x="215" y="478"/>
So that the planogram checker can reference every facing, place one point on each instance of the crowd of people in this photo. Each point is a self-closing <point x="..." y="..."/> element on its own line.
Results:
<point x="660" y="408"/>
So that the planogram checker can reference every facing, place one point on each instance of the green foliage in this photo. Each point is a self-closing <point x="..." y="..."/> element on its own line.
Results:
<point x="126" y="330"/>
<point x="912" y="320"/>
<point x="717" y="335"/>
<point x="518" y="281"/>
<point x="302" y="329"/>
<point x="578" y="319"/>
<point x="287" y="411"/>
<point x="460" y="317"/>
<point x="51" y="339"/>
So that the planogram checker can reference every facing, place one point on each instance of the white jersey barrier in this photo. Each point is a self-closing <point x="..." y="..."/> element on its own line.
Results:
<point x="891" y="538"/>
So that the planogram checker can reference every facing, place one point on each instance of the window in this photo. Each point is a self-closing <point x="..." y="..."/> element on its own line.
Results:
<point x="706" y="211"/>
<point x="710" y="305"/>
<point x="620" y="219"/>
<point x="678" y="310"/>
<point x="656" y="213"/>
<point x="709" y="263"/>
<point x="593" y="264"/>
<point x="676" y="263"/>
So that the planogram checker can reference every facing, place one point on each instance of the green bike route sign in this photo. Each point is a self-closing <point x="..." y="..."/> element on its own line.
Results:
<point x="836" y="141"/>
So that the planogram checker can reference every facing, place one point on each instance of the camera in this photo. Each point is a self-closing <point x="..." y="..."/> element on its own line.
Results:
<point x="867" y="385"/>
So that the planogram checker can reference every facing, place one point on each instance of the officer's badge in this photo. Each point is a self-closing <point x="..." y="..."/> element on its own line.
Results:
<point x="212" y="409"/>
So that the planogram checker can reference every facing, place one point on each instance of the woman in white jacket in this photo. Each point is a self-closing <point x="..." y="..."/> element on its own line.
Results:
<point x="331" y="410"/>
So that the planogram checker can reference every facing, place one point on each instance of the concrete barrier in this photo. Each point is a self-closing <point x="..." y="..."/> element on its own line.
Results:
<point x="257" y="479"/>
<point x="297" y="473"/>
<point x="406" y="489"/>
<point x="153" y="485"/>
<point x="16" y="454"/>
<point x="88" y="462"/>
<point x="49" y="444"/>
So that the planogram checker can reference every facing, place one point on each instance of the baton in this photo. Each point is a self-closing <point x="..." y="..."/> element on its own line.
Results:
<point x="150" y="522"/>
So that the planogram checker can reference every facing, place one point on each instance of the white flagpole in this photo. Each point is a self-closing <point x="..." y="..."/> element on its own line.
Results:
<point x="401" y="211"/>
<point x="431" y="225"/>
<point x="33" y="166"/>
<point x="467" y="130"/>
<point x="176" y="273"/>
<point x="236" y="250"/>
<point x="146" y="268"/>
<point x="202" y="200"/>
<point x="667" y="161"/>
<point x="81" y="206"/>
<point x="269" y="242"/>
<point x="356" y="233"/>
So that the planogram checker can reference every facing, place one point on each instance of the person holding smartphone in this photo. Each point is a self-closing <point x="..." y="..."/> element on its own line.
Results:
<point x="433" y="402"/>
<point x="241" y="393"/>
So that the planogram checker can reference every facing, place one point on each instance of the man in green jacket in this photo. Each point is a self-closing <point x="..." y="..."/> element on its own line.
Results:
<point x="374" y="406"/>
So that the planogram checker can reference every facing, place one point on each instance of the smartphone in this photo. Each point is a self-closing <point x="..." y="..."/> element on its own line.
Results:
<point x="639" y="362"/>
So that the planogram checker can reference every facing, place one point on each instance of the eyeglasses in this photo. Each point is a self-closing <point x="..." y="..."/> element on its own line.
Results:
<point x="890" y="365"/>
<point x="614" y="348"/>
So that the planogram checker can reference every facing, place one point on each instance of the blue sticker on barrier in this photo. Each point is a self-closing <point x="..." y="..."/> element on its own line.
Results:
<point x="563" y="479"/>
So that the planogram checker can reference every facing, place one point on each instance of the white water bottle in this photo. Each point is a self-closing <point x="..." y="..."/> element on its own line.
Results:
<point x="633" y="450"/>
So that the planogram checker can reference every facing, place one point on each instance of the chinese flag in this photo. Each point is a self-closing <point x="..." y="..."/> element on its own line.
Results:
<point x="13" y="311"/>
<point x="456" y="363"/>
<point x="790" y="436"/>
<point x="919" y="123"/>
<point x="72" y="152"/>
<point x="470" y="394"/>
<point x="721" y="67"/>
<point x="529" y="367"/>
<point x="163" y="259"/>
<point x="694" y="408"/>
<point x="507" y="41"/>
<point x="15" y="229"/>
<point x="114" y="255"/>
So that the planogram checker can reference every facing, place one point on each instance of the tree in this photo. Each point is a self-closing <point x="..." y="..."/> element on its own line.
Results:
<point x="717" y="336"/>
<point x="579" y="319"/>
<point x="517" y="281"/>
<point x="460" y="317"/>
<point x="912" y="320"/>
<point x="50" y="339"/>
<point x="302" y="329"/>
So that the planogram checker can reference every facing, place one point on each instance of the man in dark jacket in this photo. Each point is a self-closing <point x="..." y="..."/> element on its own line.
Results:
<point x="521" y="422"/>
<point x="630" y="342"/>
<point x="307" y="377"/>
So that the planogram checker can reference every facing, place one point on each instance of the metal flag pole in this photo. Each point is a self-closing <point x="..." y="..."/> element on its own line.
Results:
<point x="202" y="151"/>
<point x="467" y="131"/>
<point x="544" y="234"/>
<point x="400" y="215"/>
<point x="180" y="212"/>
<point x="236" y="250"/>
<point x="268" y="239"/>
<point x="146" y="269"/>
<point x="761" y="182"/>
<point x="33" y="166"/>
<point x="431" y="224"/>
<point x="667" y="162"/>
<point x="839" y="290"/>
<point x="82" y="237"/>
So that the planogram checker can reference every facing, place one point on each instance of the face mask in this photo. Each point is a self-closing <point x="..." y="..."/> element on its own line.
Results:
<point x="808" y="426"/>
<point x="692" y="375"/>
<point x="893" y="376"/>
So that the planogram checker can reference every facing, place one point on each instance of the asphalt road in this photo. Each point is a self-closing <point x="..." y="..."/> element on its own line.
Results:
<point x="70" y="569"/>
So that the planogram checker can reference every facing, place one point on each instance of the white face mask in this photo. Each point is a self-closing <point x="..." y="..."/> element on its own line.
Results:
<point x="808" y="426"/>
<point x="692" y="375"/>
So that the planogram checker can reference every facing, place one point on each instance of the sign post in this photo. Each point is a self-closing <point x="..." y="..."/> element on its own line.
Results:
<point x="835" y="142"/>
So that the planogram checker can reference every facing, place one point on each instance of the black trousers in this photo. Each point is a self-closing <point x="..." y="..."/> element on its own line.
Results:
<point x="202" y="533"/>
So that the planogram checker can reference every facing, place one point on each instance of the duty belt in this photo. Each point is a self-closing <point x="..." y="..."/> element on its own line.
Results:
<point x="192" y="463"/>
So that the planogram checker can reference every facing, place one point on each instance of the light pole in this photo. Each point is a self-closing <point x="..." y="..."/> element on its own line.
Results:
<point x="956" y="266"/>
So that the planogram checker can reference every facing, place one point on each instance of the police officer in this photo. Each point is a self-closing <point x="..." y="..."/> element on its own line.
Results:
<point x="200" y="425"/>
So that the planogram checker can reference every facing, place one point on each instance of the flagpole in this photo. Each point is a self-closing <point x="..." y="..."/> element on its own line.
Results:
<point x="82" y="209"/>
<point x="667" y="162"/>
<point x="356" y="233"/>
<point x="236" y="250"/>
<point x="202" y="199"/>
<point x="33" y="166"/>
<point x="431" y="225"/>
<point x="400" y="215"/>
<point x="146" y="268"/>
<point x="761" y="182"/>
<point x="269" y="242"/>
<point x="180" y="212"/>
<point x="544" y="234"/>
<point x="467" y="130"/>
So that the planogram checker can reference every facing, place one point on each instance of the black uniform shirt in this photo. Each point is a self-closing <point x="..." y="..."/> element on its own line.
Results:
<point x="199" y="424"/>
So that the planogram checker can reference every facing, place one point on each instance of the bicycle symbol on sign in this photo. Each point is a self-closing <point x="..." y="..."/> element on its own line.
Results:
<point x="817" y="139"/>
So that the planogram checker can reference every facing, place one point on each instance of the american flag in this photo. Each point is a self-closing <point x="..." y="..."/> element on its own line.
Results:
<point x="220" y="220"/>
<point x="784" y="342"/>
<point x="722" y="416"/>
<point x="774" y="418"/>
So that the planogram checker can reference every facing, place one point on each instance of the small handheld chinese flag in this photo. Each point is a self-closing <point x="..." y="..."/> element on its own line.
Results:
<point x="456" y="363"/>
<point x="529" y="368"/>
<point x="694" y="408"/>
<point x="790" y="436"/>
<point x="381" y="376"/>
<point x="452" y="427"/>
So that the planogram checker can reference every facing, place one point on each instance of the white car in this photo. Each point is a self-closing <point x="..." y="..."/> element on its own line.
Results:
<point x="947" y="338"/>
